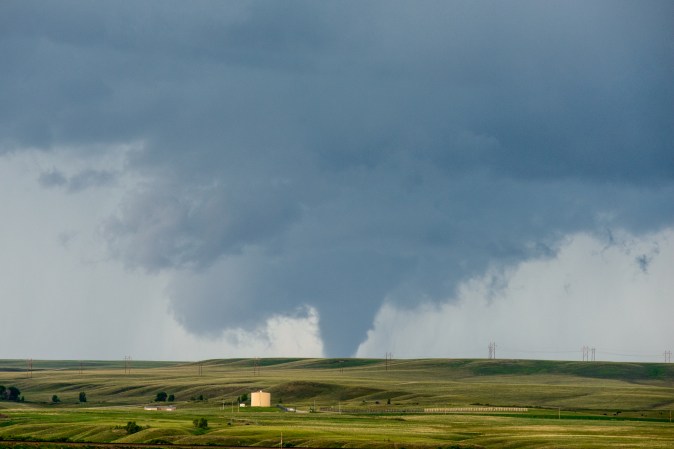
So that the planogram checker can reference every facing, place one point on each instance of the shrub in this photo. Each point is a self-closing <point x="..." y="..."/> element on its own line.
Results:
<point x="55" y="399"/>
<point x="132" y="427"/>
<point x="83" y="396"/>
<point x="161" y="396"/>
<point x="11" y="394"/>
<point x="200" y="423"/>
<point x="171" y="397"/>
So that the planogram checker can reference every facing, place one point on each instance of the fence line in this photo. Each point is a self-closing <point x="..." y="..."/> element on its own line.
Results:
<point x="475" y="409"/>
<point x="425" y="410"/>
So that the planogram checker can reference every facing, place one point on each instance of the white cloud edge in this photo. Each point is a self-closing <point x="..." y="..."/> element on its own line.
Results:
<point x="592" y="293"/>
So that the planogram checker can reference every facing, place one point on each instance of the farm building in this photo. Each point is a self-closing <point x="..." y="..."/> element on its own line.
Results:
<point x="260" y="399"/>
<point x="163" y="408"/>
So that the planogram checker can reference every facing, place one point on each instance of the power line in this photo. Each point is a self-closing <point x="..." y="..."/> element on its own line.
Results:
<point x="544" y="351"/>
<point x="643" y="354"/>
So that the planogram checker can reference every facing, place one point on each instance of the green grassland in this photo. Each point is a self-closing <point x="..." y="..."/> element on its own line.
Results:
<point x="571" y="404"/>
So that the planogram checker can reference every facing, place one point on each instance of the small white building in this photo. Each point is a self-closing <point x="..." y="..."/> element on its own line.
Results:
<point x="161" y="408"/>
<point x="260" y="399"/>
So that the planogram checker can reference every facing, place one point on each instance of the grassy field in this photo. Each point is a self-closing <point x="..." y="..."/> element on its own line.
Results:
<point x="570" y="404"/>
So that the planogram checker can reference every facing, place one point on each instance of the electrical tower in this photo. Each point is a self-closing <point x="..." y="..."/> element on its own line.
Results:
<point x="389" y="357"/>
<point x="127" y="364"/>
<point x="200" y="368"/>
<point x="256" y="366"/>
<point x="593" y="351"/>
<point x="492" y="350"/>
<point x="29" y="367"/>
<point x="668" y="356"/>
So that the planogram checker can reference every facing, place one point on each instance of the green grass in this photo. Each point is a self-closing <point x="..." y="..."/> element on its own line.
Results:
<point x="601" y="404"/>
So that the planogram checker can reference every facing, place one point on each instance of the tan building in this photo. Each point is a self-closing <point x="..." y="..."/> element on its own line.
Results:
<point x="260" y="399"/>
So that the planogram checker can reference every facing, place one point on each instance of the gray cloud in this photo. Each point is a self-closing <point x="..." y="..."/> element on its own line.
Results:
<point x="80" y="181"/>
<point x="52" y="178"/>
<point x="342" y="155"/>
<point x="643" y="261"/>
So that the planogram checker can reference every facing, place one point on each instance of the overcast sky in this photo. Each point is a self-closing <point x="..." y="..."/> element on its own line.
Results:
<point x="188" y="180"/>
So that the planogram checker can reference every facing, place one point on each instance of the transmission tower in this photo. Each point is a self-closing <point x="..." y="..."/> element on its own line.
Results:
<point x="29" y="367"/>
<point x="668" y="356"/>
<point x="127" y="364"/>
<point x="389" y="357"/>
<point x="492" y="350"/>
<point x="256" y="366"/>
<point x="593" y="351"/>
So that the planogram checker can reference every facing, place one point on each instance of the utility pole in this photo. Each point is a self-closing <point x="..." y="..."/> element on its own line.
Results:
<point x="29" y="367"/>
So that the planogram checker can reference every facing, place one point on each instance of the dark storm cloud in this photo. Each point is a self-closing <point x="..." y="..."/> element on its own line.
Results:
<point x="338" y="155"/>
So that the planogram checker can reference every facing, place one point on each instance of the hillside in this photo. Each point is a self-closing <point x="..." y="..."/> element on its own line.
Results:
<point x="427" y="382"/>
<point x="373" y="403"/>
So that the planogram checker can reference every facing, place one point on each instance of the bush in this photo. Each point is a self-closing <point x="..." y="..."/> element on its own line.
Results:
<point x="161" y="396"/>
<point x="83" y="396"/>
<point x="200" y="423"/>
<point x="9" y="394"/>
<point x="55" y="399"/>
<point x="132" y="427"/>
<point x="171" y="397"/>
<point x="14" y="394"/>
